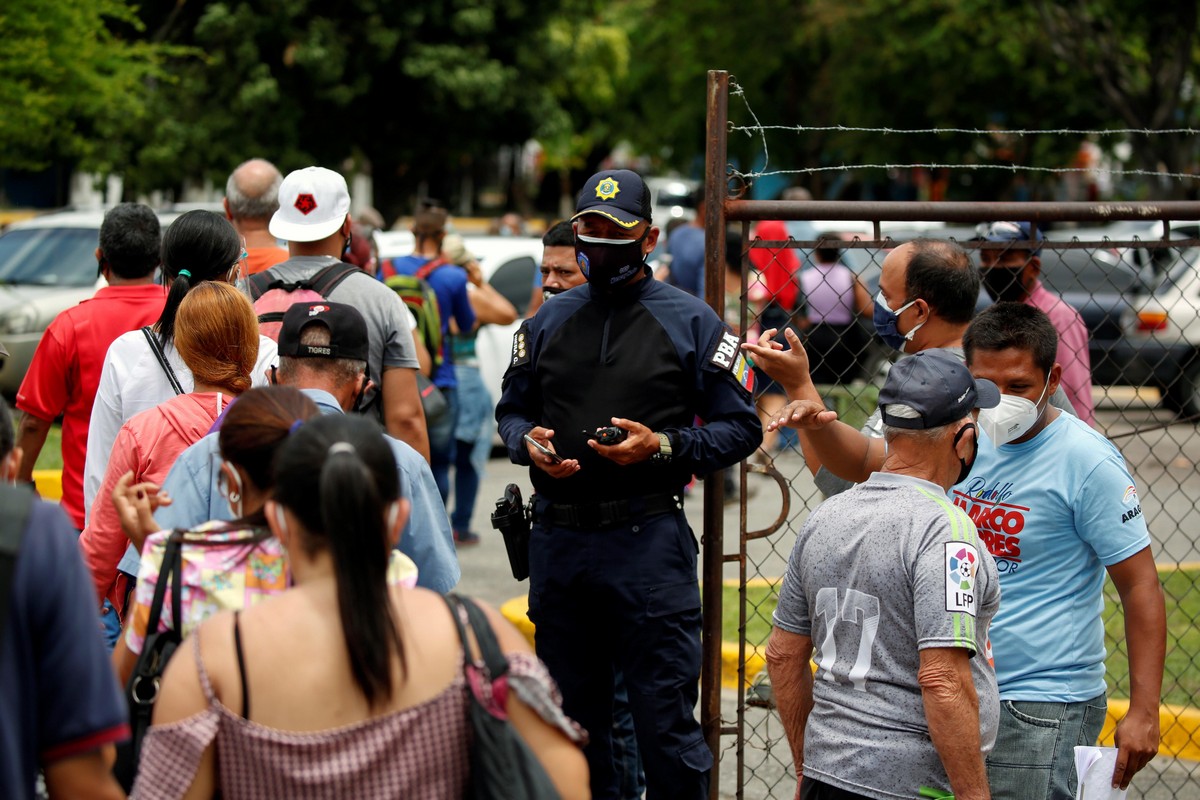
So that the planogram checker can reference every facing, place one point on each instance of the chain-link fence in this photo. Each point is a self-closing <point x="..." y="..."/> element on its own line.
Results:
<point x="1135" y="284"/>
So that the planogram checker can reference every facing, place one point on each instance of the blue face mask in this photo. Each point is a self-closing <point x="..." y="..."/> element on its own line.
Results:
<point x="885" y="323"/>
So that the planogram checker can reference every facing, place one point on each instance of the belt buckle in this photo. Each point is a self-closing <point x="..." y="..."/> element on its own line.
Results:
<point x="611" y="512"/>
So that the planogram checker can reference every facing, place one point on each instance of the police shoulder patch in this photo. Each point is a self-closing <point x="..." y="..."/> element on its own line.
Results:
<point x="520" y="346"/>
<point x="726" y="353"/>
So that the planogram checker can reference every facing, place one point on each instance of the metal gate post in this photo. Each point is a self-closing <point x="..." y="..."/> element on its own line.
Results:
<point x="716" y="188"/>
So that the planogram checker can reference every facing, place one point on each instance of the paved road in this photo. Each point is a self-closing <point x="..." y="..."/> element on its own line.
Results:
<point x="1164" y="465"/>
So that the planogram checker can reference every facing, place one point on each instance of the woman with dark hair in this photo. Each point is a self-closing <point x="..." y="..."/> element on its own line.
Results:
<point x="138" y="373"/>
<point x="385" y="663"/>
<point x="225" y="565"/>
<point x="217" y="337"/>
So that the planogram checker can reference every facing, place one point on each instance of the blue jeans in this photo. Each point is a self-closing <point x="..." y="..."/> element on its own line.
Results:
<point x="473" y="426"/>
<point x="441" y="442"/>
<point x="110" y="625"/>
<point x="1034" y="754"/>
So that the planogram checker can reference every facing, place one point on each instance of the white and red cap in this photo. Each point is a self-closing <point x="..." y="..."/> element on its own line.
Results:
<point x="313" y="204"/>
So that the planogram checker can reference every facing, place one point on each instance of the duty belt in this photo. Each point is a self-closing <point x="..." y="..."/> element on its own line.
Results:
<point x="608" y="513"/>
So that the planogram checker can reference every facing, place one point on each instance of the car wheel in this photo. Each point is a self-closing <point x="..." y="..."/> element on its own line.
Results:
<point x="1183" y="395"/>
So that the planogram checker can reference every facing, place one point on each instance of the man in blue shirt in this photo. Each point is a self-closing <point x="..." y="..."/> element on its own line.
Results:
<point x="449" y="283"/>
<point x="1057" y="509"/>
<point x="60" y="705"/>
<point x="317" y="354"/>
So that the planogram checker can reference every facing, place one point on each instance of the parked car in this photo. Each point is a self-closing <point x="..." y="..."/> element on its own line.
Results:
<point x="47" y="265"/>
<point x="1162" y="336"/>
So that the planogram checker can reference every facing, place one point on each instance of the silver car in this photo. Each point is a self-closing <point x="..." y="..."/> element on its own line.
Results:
<point x="47" y="265"/>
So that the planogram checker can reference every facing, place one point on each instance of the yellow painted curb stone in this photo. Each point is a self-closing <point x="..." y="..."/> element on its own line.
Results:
<point x="1180" y="725"/>
<point x="49" y="483"/>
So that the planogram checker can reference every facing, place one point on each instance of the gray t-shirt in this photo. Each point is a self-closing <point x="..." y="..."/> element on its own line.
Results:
<point x="877" y="574"/>
<point x="831" y="484"/>
<point x="388" y="329"/>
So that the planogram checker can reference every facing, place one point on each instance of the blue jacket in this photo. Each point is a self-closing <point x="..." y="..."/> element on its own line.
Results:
<point x="426" y="539"/>
<point x="650" y="353"/>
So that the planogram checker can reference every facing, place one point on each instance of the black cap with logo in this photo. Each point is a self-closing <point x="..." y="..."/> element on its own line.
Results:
<point x="347" y="331"/>
<point x="618" y="194"/>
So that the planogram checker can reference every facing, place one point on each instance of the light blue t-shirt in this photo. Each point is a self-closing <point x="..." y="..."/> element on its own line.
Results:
<point x="1053" y="512"/>
<point x="426" y="538"/>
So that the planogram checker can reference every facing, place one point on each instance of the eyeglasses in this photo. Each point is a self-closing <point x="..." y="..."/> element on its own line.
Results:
<point x="235" y="269"/>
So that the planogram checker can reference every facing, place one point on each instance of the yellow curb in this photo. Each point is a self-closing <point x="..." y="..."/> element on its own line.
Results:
<point x="1180" y="725"/>
<point x="49" y="483"/>
<point x="516" y="611"/>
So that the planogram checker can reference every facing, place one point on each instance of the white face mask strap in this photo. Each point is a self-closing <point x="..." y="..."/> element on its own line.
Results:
<point x="393" y="514"/>
<point x="280" y="519"/>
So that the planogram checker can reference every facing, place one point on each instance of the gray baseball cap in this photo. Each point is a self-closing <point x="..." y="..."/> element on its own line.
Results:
<point x="938" y="387"/>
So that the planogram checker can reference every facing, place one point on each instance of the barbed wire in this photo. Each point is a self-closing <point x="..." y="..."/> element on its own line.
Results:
<point x="735" y="89"/>
<point x="750" y="129"/>
<point x="1008" y="167"/>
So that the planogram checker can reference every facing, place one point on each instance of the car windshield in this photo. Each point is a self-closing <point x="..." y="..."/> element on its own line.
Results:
<point x="49" y="256"/>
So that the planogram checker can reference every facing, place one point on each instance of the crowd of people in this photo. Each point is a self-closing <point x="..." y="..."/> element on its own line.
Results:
<point x="258" y="506"/>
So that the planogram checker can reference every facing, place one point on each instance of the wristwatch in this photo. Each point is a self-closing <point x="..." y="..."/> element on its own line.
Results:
<point x="664" y="448"/>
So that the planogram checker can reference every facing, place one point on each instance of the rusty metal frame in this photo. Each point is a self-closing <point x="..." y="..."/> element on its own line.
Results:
<point x="722" y="208"/>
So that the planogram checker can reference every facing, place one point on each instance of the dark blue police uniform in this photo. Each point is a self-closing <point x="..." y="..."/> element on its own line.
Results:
<point x="612" y="559"/>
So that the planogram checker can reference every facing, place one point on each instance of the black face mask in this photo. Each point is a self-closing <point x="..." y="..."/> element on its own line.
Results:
<point x="610" y="263"/>
<point x="965" y="470"/>
<point x="1004" y="284"/>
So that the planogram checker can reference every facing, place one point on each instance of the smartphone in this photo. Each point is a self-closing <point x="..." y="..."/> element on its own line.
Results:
<point x="555" y="457"/>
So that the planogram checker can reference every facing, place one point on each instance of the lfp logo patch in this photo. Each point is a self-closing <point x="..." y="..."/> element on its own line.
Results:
<point x="962" y="566"/>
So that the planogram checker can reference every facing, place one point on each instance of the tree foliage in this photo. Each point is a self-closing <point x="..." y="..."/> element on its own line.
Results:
<point x="71" y="78"/>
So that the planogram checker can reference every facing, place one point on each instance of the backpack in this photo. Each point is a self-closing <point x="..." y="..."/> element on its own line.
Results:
<point x="421" y="300"/>
<point x="272" y="295"/>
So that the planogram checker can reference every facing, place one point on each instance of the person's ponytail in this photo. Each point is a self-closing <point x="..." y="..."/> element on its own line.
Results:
<point x="338" y="477"/>
<point x="353" y="514"/>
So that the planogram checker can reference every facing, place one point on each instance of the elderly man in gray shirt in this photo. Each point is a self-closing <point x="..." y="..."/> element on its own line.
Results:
<point x="889" y="590"/>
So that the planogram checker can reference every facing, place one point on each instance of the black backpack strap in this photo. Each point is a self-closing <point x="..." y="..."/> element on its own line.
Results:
<point x="328" y="279"/>
<point x="259" y="283"/>
<point x="16" y="502"/>
<point x="156" y="348"/>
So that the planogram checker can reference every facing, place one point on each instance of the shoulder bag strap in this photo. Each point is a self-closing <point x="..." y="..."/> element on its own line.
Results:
<point x="15" y="504"/>
<point x="489" y="647"/>
<point x="162" y="359"/>
<point x="169" y="573"/>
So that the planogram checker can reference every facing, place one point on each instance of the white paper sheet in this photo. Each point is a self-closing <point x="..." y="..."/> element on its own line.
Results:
<point x="1094" y="766"/>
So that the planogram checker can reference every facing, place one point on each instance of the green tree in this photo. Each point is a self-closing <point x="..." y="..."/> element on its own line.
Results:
<point x="72" y="76"/>
<point x="414" y="91"/>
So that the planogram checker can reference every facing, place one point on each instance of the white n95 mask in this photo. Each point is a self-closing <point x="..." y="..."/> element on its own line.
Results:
<point x="1012" y="419"/>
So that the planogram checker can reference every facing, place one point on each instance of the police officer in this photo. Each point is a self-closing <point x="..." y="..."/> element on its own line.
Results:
<point x="612" y="560"/>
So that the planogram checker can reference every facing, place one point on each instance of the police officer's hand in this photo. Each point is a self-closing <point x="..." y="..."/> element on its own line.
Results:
<point x="788" y="368"/>
<point x="544" y="462"/>
<point x="802" y="415"/>
<point x="639" y="445"/>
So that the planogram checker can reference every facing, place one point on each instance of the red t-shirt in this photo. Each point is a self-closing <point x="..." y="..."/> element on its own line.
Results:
<point x="65" y="371"/>
<point x="778" y="267"/>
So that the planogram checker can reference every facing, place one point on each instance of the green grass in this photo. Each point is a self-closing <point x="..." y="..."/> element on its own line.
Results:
<point x="51" y="455"/>
<point x="1181" y="679"/>
<point x="1181" y="673"/>
<point x="854" y="403"/>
